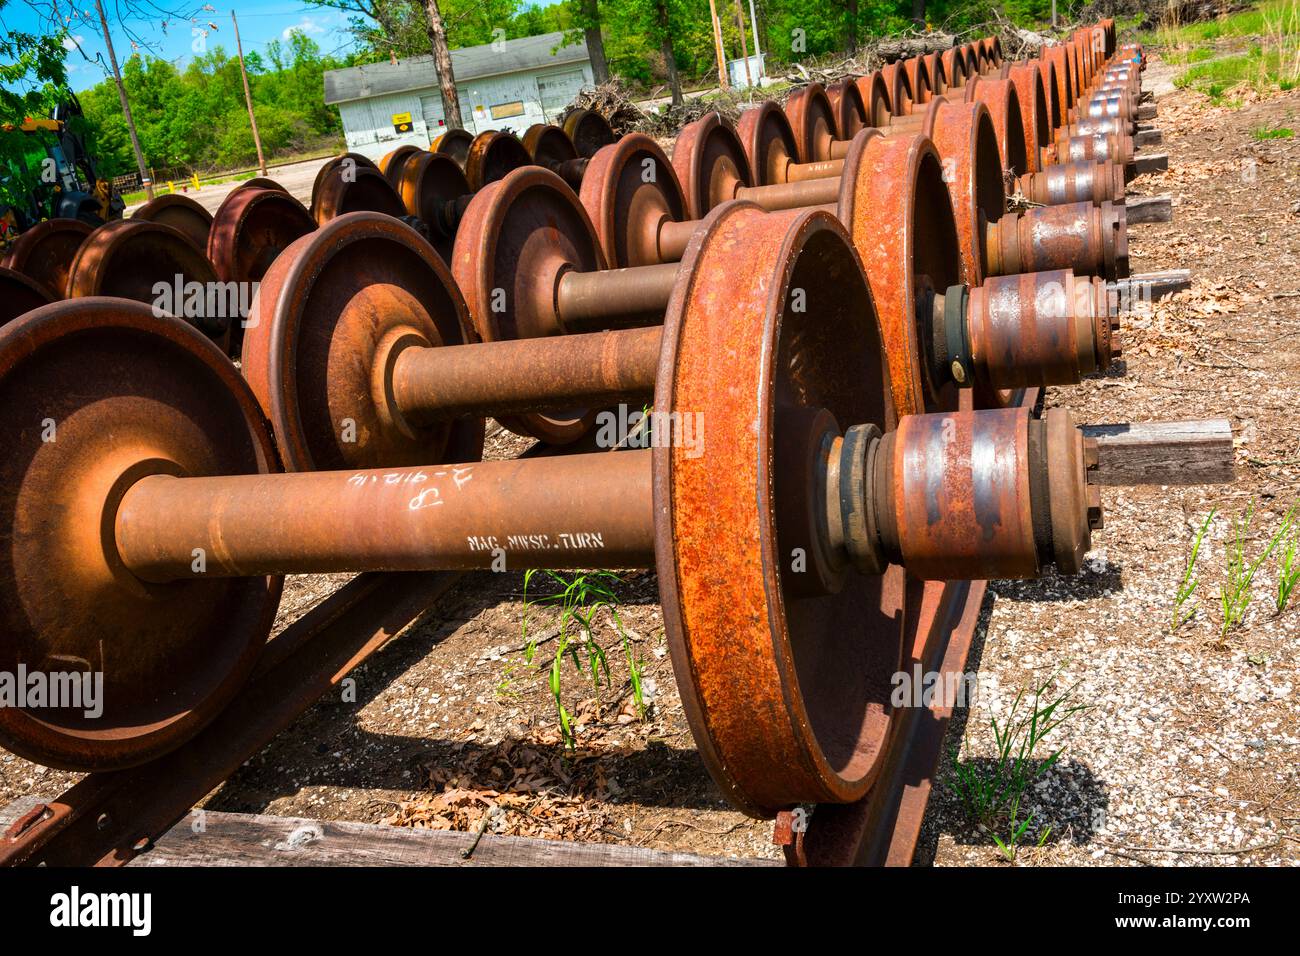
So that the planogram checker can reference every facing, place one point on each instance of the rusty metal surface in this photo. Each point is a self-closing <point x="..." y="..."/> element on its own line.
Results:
<point x="1090" y="239"/>
<point x="968" y="148"/>
<point x="963" y="506"/>
<point x="130" y="258"/>
<point x="769" y="143"/>
<point x="1087" y="181"/>
<point x="434" y="189"/>
<point x="46" y="251"/>
<point x="954" y="68"/>
<point x="588" y="130"/>
<point x="331" y="314"/>
<point x="454" y="143"/>
<point x="519" y="235"/>
<point x="492" y="155"/>
<point x="133" y="393"/>
<point x="710" y="163"/>
<point x="1004" y="107"/>
<point x="848" y="108"/>
<point x="875" y="97"/>
<point x="250" y="228"/>
<point x="180" y="212"/>
<point x="352" y="183"/>
<point x="630" y="190"/>
<point x="392" y="162"/>
<point x="385" y="519"/>
<point x="1056" y="56"/>
<point x="899" y="85"/>
<point x="107" y="819"/>
<point x="918" y="76"/>
<point x="1031" y="96"/>
<point x="773" y="725"/>
<point x="937" y="72"/>
<point x="813" y="121"/>
<point x="895" y="206"/>
<point x="20" y="294"/>
<point x="1039" y="328"/>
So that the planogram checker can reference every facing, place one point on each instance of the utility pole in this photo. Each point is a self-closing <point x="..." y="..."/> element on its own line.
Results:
<point x="1053" y="14"/>
<point x="248" y="98"/>
<point x="442" y="63"/>
<point x="744" y="49"/>
<point x="753" y="25"/>
<point x="145" y="179"/>
<point x="717" y="46"/>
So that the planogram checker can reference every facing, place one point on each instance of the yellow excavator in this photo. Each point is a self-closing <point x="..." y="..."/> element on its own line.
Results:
<point x="48" y="173"/>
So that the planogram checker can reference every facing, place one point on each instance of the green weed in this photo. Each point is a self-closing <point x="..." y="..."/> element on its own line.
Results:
<point x="993" y="791"/>
<point x="1188" y="585"/>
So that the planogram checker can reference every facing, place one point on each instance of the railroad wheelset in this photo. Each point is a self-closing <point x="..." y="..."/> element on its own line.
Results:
<point x="137" y="503"/>
<point x="855" y="364"/>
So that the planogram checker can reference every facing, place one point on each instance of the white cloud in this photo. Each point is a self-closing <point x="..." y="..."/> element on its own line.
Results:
<point x="72" y="43"/>
<point x="308" y="25"/>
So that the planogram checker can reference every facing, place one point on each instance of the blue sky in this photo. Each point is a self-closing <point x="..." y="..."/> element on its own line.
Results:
<point x="260" y="22"/>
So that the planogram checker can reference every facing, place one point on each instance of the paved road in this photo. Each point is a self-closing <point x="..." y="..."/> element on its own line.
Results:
<point x="295" y="177"/>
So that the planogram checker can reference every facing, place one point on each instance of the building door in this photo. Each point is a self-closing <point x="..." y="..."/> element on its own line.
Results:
<point x="557" y="90"/>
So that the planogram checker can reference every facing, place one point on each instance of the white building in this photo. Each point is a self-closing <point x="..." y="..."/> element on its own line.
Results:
<point x="511" y="84"/>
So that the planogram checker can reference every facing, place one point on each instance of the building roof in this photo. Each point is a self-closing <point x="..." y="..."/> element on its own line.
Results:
<point x="468" y="63"/>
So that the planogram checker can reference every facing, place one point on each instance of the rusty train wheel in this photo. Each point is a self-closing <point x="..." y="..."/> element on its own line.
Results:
<point x="549" y="145"/>
<point x="46" y="252"/>
<point x="179" y="212"/>
<point x="813" y="121"/>
<point x="937" y="72"/>
<point x="954" y="68"/>
<point x="630" y="186"/>
<point x="1031" y="94"/>
<point x="875" y="95"/>
<point x="171" y="655"/>
<point x="768" y="141"/>
<point x="20" y="294"/>
<point x="710" y="163"/>
<point x="849" y="110"/>
<point x="453" y="143"/>
<point x="968" y="147"/>
<point x="1004" y="107"/>
<point x="918" y="74"/>
<point x="251" y="228"/>
<point x="331" y="316"/>
<point x="589" y="131"/>
<point x="430" y="182"/>
<point x="901" y="220"/>
<point x="787" y="696"/>
<point x="517" y="236"/>
<point x="352" y="183"/>
<point x="127" y="259"/>
<point x="899" y="85"/>
<point x="392" y="162"/>
<point x="492" y="155"/>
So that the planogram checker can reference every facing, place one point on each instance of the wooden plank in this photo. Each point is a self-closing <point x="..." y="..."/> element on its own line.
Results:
<point x="1148" y="137"/>
<point x="238" y="839"/>
<point x="1163" y="453"/>
<point x="1151" y="163"/>
<point x="1149" y="286"/>
<point x="1147" y="111"/>
<point x="1149" y="209"/>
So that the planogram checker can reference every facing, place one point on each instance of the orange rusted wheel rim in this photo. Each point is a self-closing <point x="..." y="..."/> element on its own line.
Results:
<point x="787" y="696"/>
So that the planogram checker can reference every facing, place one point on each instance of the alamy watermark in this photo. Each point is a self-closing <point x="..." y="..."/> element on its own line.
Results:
<point x="54" y="690"/>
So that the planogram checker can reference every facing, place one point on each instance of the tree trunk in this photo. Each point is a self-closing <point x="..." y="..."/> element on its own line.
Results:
<point x="744" y="47"/>
<point x="918" y="13"/>
<point x="146" y="178"/>
<point x="442" y="63"/>
<point x="666" y="45"/>
<point x="851" y="35"/>
<point x="595" y="43"/>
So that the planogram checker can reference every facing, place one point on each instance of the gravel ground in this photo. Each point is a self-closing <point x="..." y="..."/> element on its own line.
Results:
<point x="1185" y="753"/>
